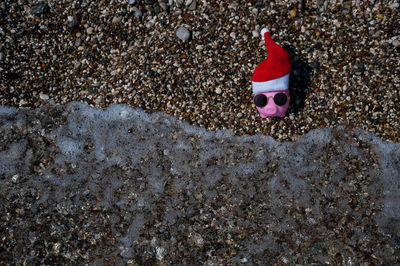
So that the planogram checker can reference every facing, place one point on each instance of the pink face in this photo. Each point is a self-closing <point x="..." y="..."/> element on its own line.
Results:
<point x="273" y="103"/>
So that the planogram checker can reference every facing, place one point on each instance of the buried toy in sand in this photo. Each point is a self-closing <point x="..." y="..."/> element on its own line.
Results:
<point x="270" y="80"/>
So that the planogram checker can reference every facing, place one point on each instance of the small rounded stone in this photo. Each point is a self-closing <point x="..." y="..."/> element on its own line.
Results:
<point x="292" y="13"/>
<point x="41" y="9"/>
<point x="192" y="5"/>
<point x="72" y="22"/>
<point x="15" y="178"/>
<point x="183" y="33"/>
<point x="89" y="30"/>
<point x="44" y="97"/>
<point x="138" y="13"/>
<point x="395" y="5"/>
<point x="163" y="6"/>
<point x="116" y="20"/>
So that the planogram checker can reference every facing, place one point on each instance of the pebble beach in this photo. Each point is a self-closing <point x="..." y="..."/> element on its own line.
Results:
<point x="128" y="135"/>
<point x="194" y="60"/>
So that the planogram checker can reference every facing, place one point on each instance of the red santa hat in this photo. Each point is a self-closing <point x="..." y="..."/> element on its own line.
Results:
<point x="273" y="73"/>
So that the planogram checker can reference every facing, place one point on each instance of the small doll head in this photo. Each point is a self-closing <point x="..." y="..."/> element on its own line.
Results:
<point x="270" y="82"/>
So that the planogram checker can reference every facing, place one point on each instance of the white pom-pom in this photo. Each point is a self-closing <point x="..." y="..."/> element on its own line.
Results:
<point x="263" y="31"/>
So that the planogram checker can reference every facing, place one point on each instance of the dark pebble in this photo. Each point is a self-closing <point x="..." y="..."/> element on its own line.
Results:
<point x="314" y="64"/>
<point x="12" y="76"/>
<point x="318" y="46"/>
<point x="41" y="9"/>
<point x="93" y="90"/>
<point x="376" y="121"/>
<point x="73" y="23"/>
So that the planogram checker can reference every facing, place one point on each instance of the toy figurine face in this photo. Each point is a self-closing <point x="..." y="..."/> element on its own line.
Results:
<point x="273" y="103"/>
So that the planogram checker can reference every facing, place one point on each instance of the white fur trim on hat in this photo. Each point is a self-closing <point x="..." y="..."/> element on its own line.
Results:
<point x="263" y="31"/>
<point x="279" y="84"/>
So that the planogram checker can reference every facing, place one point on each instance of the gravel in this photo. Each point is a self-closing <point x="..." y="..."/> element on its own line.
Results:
<point x="344" y="56"/>
<point x="126" y="186"/>
<point x="118" y="186"/>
